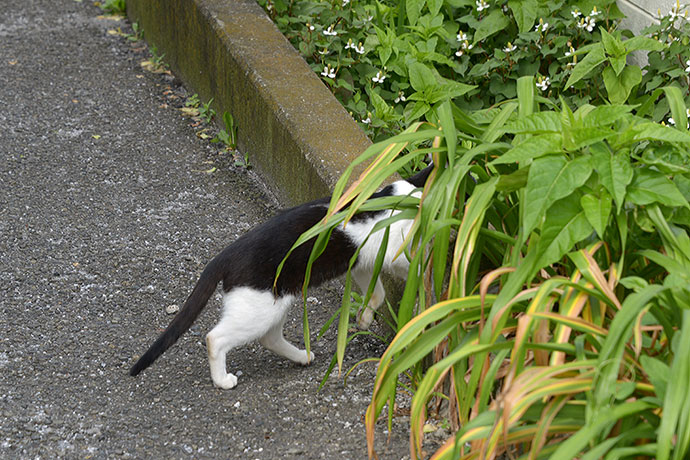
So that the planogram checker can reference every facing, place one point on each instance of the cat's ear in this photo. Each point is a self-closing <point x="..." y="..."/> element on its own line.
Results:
<point x="419" y="179"/>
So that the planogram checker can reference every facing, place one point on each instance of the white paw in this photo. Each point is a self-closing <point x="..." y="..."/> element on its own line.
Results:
<point x="305" y="360"/>
<point x="226" y="382"/>
<point x="365" y="319"/>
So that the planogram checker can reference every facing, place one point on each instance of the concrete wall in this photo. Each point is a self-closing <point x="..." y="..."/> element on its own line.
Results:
<point x="641" y="13"/>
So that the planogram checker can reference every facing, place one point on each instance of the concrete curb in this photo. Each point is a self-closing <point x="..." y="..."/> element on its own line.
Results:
<point x="294" y="130"/>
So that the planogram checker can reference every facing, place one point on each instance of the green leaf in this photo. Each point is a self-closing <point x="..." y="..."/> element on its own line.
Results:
<point x="532" y="147"/>
<point x="537" y="123"/>
<point x="641" y="42"/>
<point x="550" y="179"/>
<point x="649" y="186"/>
<point x="524" y="12"/>
<point x="565" y="226"/>
<point x="618" y="87"/>
<point x="417" y="110"/>
<point x="413" y="8"/>
<point x="421" y="77"/>
<point x="612" y="45"/>
<point x="615" y="172"/>
<point x="655" y="132"/>
<point x="605" y="115"/>
<point x="595" y="57"/>
<point x="434" y="7"/>
<point x="597" y="211"/>
<point x="514" y="181"/>
<point x="491" y="24"/>
<point x="674" y="97"/>
<point x="675" y="423"/>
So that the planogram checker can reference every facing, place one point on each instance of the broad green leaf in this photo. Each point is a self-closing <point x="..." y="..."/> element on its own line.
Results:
<point x="421" y="77"/>
<point x="605" y="115"/>
<point x="452" y="89"/>
<point x="565" y="226"/>
<point x="656" y="132"/>
<point x="618" y="87"/>
<point x="514" y="181"/>
<point x="491" y="24"/>
<point x="595" y="57"/>
<point x="418" y="109"/>
<point x="615" y="171"/>
<point x="550" y="179"/>
<point x="597" y="211"/>
<point x="612" y="45"/>
<point x="434" y="7"/>
<point x="413" y="8"/>
<point x="649" y="186"/>
<point x="532" y="147"/>
<point x="641" y="42"/>
<point x="537" y="123"/>
<point x="524" y="12"/>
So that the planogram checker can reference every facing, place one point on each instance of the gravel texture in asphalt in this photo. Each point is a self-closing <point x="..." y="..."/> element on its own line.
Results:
<point x="109" y="208"/>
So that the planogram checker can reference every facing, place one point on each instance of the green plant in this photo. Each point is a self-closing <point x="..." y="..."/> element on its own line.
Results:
<point x="206" y="112"/>
<point x="157" y="59"/>
<point x="114" y="6"/>
<point x="192" y="101"/>
<point x="583" y="218"/>
<point x="371" y="54"/>
<point x="228" y="135"/>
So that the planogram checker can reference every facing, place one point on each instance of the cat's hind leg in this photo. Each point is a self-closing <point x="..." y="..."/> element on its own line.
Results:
<point x="275" y="341"/>
<point x="248" y="314"/>
<point x="362" y="277"/>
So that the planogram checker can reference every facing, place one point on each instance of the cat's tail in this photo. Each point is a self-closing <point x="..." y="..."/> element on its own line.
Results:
<point x="189" y="312"/>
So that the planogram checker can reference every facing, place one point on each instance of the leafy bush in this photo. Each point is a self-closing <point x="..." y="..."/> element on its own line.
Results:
<point x="583" y="216"/>
<point x="390" y="63"/>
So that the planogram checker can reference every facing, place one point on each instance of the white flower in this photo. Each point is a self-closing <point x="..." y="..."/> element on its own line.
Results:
<point x="400" y="98"/>
<point x="671" y="121"/>
<point x="687" y="112"/>
<point x="542" y="26"/>
<point x="543" y="83"/>
<point x="462" y="36"/>
<point x="510" y="48"/>
<point x="466" y="46"/>
<point x="594" y="12"/>
<point x="330" y="31"/>
<point x="586" y="23"/>
<point x="687" y="69"/>
<point x="576" y="13"/>
<point x="328" y="71"/>
<point x="481" y="5"/>
<point x="570" y="52"/>
<point x="379" y="77"/>
<point x="345" y="2"/>
<point x="349" y="44"/>
<point x="359" y="48"/>
<point x="367" y="120"/>
<point x="310" y="26"/>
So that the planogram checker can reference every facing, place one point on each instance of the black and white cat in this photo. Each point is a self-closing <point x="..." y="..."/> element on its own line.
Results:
<point x="252" y="309"/>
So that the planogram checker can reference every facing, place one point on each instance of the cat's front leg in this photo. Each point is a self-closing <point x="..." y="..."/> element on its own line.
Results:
<point x="362" y="277"/>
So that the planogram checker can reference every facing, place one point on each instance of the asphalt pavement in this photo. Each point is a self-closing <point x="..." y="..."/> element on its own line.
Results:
<point x="110" y="205"/>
